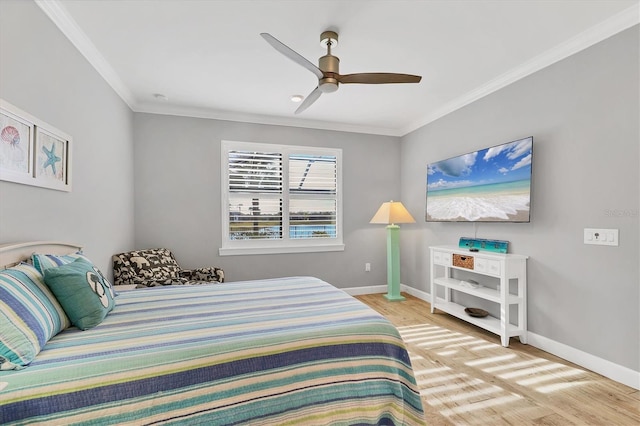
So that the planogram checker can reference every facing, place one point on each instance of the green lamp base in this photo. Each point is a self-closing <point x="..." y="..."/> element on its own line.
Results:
<point x="394" y="298"/>
<point x="393" y="264"/>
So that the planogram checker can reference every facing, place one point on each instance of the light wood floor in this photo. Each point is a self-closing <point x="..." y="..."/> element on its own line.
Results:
<point x="467" y="378"/>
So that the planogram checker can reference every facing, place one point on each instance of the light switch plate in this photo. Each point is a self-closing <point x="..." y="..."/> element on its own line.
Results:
<point x="601" y="237"/>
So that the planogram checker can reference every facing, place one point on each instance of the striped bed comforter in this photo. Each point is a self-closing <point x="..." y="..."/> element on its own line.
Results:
<point x="280" y="351"/>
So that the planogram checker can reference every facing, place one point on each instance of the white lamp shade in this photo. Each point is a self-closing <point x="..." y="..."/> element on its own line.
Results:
<point x="392" y="212"/>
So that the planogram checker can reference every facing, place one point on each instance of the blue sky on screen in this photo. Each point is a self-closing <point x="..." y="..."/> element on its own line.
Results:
<point x="503" y="163"/>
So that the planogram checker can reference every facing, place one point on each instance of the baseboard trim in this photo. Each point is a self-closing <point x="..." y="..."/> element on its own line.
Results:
<point x="375" y="289"/>
<point x="613" y="371"/>
<point x="422" y="295"/>
<point x="359" y="291"/>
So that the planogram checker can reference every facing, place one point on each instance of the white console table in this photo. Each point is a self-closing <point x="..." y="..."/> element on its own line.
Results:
<point x="509" y="270"/>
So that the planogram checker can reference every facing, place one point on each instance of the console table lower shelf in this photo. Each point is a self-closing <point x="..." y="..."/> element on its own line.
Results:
<point x="488" y="323"/>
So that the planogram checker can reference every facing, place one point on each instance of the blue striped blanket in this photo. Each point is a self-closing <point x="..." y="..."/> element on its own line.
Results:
<point x="279" y="351"/>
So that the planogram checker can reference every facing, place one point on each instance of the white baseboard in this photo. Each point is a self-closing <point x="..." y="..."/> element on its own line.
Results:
<point x="423" y="295"/>
<point x="359" y="291"/>
<point x="606" y="368"/>
<point x="375" y="289"/>
<point x="613" y="371"/>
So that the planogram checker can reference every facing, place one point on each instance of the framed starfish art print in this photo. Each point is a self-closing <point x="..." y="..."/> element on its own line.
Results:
<point x="33" y="152"/>
<point x="52" y="159"/>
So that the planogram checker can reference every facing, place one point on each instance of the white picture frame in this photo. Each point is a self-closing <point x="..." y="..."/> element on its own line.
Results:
<point x="32" y="152"/>
<point x="52" y="157"/>
<point x="16" y="145"/>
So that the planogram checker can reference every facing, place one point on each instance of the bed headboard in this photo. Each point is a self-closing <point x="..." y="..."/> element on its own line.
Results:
<point x="13" y="253"/>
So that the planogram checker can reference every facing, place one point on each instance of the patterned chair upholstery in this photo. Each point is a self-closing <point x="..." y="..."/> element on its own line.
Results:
<point x="158" y="267"/>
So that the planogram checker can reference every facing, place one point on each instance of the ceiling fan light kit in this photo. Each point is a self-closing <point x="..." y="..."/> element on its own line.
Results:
<point x="328" y="69"/>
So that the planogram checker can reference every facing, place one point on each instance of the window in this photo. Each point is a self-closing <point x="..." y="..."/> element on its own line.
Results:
<point x="280" y="199"/>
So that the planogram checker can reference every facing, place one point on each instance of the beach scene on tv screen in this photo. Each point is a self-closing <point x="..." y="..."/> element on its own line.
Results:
<point x="490" y="185"/>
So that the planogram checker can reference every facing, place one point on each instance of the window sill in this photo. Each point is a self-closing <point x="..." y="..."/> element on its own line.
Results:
<point x="316" y="248"/>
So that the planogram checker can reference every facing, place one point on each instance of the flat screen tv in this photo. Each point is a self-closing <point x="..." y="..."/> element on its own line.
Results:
<point x="489" y="185"/>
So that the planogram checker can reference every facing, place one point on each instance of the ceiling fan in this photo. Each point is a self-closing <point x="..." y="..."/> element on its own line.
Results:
<point x="328" y="72"/>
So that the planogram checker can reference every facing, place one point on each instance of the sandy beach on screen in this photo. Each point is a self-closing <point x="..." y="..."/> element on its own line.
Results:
<point x="506" y="206"/>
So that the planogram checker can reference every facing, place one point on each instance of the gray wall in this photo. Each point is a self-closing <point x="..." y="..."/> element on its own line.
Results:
<point x="42" y="73"/>
<point x="583" y="114"/>
<point x="177" y="191"/>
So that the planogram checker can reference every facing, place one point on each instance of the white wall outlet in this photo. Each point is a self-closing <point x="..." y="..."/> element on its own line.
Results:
<point x="367" y="267"/>
<point x="602" y="237"/>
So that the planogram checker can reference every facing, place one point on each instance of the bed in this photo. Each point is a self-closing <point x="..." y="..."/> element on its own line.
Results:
<point x="294" y="350"/>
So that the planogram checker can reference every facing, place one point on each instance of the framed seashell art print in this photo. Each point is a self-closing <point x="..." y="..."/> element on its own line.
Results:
<point x="33" y="152"/>
<point x="16" y="146"/>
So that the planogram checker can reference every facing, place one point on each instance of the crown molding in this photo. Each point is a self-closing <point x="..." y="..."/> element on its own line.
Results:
<point x="617" y="23"/>
<point x="262" y="119"/>
<point x="63" y="20"/>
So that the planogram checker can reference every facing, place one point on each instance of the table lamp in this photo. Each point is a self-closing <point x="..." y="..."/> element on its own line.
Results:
<point x="391" y="214"/>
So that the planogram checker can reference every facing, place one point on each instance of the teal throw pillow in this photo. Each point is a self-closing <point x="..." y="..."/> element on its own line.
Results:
<point x="43" y="262"/>
<point x="82" y="291"/>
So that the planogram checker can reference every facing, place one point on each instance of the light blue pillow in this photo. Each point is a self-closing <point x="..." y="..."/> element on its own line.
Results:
<point x="30" y="315"/>
<point x="42" y="262"/>
<point x="82" y="291"/>
<point x="46" y="261"/>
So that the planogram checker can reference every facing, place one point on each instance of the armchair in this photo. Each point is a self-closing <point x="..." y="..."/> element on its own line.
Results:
<point x="158" y="267"/>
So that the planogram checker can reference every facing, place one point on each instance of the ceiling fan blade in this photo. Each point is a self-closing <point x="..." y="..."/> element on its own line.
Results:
<point x="311" y="98"/>
<point x="378" y="78"/>
<point x="291" y="54"/>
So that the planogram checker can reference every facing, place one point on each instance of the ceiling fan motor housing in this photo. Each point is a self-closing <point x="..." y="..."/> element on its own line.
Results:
<point x="330" y="67"/>
<point x="329" y="64"/>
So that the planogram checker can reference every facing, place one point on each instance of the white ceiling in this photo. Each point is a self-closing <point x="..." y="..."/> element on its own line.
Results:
<point x="208" y="59"/>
